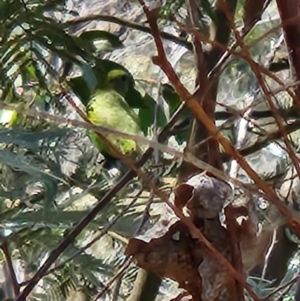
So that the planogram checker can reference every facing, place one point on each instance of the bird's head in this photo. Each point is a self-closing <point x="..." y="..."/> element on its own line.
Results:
<point x="119" y="80"/>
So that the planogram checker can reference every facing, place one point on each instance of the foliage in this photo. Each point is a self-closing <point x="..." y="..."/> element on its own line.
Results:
<point x="51" y="175"/>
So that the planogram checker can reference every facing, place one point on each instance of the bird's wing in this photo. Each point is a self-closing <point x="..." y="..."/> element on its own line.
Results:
<point x="109" y="109"/>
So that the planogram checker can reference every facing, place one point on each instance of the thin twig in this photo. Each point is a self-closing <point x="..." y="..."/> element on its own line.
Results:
<point x="162" y="61"/>
<point x="278" y="289"/>
<point x="236" y="255"/>
<point x="260" y="143"/>
<point x="268" y="254"/>
<point x="96" y="238"/>
<point x="145" y="215"/>
<point x="91" y="215"/>
<point x="256" y="68"/>
<point x="119" y="273"/>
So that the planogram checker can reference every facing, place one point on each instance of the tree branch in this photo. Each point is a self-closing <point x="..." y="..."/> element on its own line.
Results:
<point x="129" y="24"/>
<point x="292" y="35"/>
<point x="191" y="102"/>
<point x="90" y="216"/>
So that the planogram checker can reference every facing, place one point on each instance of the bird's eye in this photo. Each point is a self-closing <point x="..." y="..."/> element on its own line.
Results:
<point x="124" y="78"/>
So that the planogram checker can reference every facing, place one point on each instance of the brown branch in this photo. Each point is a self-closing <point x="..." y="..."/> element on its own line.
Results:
<point x="146" y="286"/>
<point x="197" y="234"/>
<point x="129" y="24"/>
<point x="253" y="10"/>
<point x="200" y="142"/>
<point x="90" y="216"/>
<point x="222" y="36"/>
<point x="223" y="28"/>
<point x="256" y="68"/>
<point x="191" y="102"/>
<point x="209" y="149"/>
<point x="167" y="68"/>
<point x="264" y="141"/>
<point x="236" y="255"/>
<point x="197" y="46"/>
<point x="292" y="35"/>
<point x="231" y="51"/>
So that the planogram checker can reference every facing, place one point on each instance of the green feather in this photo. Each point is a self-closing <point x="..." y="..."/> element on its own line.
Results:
<point x="109" y="109"/>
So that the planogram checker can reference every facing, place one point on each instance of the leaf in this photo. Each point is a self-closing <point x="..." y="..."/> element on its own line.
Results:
<point x="54" y="217"/>
<point x="40" y="76"/>
<point x="171" y="97"/>
<point x="62" y="53"/>
<point x="80" y="88"/>
<point x="12" y="52"/>
<point x="49" y="6"/>
<point x="89" y="76"/>
<point x="85" y="85"/>
<point x="181" y="128"/>
<point x="135" y="99"/>
<point x="37" y="171"/>
<point x="57" y="38"/>
<point x="147" y="115"/>
<point x="92" y="77"/>
<point x="208" y="9"/>
<point x="30" y="140"/>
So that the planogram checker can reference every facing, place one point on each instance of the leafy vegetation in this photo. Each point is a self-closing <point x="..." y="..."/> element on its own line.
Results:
<point x="66" y="219"/>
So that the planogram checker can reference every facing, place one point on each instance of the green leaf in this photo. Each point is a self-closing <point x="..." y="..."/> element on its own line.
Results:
<point x="49" y="6"/>
<point x="135" y="99"/>
<point x="89" y="76"/>
<point x="62" y="53"/>
<point x="180" y="131"/>
<point x="81" y="88"/>
<point x="21" y="162"/>
<point x="147" y="115"/>
<point x="208" y="9"/>
<point x="171" y="97"/>
<point x="53" y="217"/>
<point x="40" y="76"/>
<point x="30" y="140"/>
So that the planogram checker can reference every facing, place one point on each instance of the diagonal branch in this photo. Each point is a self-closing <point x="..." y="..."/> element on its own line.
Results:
<point x="292" y="35"/>
<point x="191" y="102"/>
<point x="200" y="141"/>
<point x="129" y="24"/>
<point x="91" y="215"/>
<point x="256" y="70"/>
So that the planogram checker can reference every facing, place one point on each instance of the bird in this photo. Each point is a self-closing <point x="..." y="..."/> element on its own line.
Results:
<point x="108" y="108"/>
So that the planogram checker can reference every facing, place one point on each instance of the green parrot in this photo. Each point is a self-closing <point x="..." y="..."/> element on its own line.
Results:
<point x="108" y="108"/>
